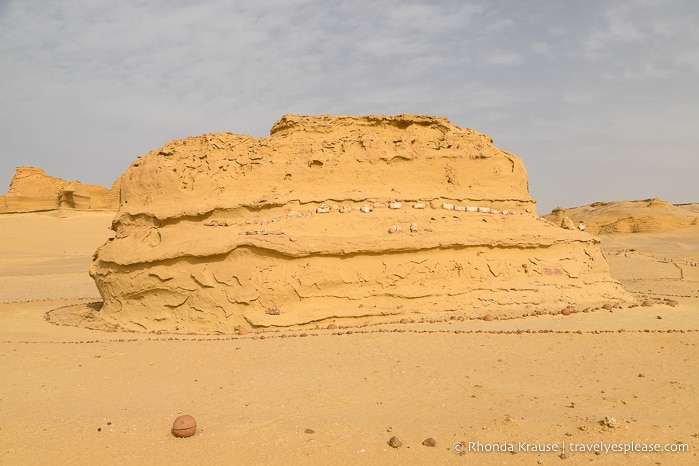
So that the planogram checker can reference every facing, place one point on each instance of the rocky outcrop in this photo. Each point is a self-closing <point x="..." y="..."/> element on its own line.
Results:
<point x="332" y="218"/>
<point x="33" y="190"/>
<point x="643" y="216"/>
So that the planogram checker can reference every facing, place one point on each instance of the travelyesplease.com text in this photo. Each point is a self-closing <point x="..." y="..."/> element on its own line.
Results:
<point x="600" y="447"/>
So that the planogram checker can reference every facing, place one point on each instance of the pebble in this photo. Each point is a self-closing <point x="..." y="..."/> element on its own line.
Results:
<point x="184" y="426"/>
<point x="429" y="442"/>
<point x="395" y="442"/>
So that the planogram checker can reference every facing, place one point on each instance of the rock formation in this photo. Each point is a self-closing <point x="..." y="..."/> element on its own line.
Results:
<point x="332" y="218"/>
<point x="643" y="216"/>
<point x="33" y="190"/>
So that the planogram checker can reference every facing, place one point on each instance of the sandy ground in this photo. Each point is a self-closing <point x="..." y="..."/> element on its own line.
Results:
<point x="70" y="395"/>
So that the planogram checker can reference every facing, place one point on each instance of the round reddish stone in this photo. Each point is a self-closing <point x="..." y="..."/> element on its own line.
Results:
<point x="184" y="426"/>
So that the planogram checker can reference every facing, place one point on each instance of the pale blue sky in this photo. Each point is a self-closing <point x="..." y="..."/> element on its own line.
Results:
<point x="599" y="98"/>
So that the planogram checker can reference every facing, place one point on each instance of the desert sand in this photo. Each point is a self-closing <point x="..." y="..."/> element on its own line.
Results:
<point x="71" y="395"/>
<point x="298" y="324"/>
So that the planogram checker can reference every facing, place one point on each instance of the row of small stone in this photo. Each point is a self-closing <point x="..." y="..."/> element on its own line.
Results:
<point x="343" y="329"/>
<point x="366" y="208"/>
<point x="357" y="332"/>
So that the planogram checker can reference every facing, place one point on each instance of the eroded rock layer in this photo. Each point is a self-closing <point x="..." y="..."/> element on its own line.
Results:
<point x="31" y="190"/>
<point x="643" y="216"/>
<point x="336" y="217"/>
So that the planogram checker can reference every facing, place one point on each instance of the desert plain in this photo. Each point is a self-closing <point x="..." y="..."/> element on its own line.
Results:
<point x="72" y="395"/>
<point x="554" y="381"/>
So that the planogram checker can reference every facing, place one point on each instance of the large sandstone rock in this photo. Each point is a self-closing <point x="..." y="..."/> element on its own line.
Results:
<point x="336" y="217"/>
<point x="33" y="190"/>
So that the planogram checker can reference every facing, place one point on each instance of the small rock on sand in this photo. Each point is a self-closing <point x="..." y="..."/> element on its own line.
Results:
<point x="395" y="442"/>
<point x="429" y="442"/>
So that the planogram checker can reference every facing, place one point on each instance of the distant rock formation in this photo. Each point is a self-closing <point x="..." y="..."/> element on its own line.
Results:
<point x="335" y="218"/>
<point x="644" y="216"/>
<point x="33" y="190"/>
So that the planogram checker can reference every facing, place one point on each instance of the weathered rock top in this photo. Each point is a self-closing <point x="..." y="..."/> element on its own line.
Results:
<point x="313" y="159"/>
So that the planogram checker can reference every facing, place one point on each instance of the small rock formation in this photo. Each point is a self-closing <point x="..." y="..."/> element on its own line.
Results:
<point x="317" y="221"/>
<point x="567" y="223"/>
<point x="33" y="190"/>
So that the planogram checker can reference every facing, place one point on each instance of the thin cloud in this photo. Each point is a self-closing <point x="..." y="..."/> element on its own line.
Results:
<point x="504" y="57"/>
<point x="88" y="86"/>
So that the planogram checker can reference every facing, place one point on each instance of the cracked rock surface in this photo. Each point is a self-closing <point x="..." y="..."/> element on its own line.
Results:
<point x="320" y="220"/>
